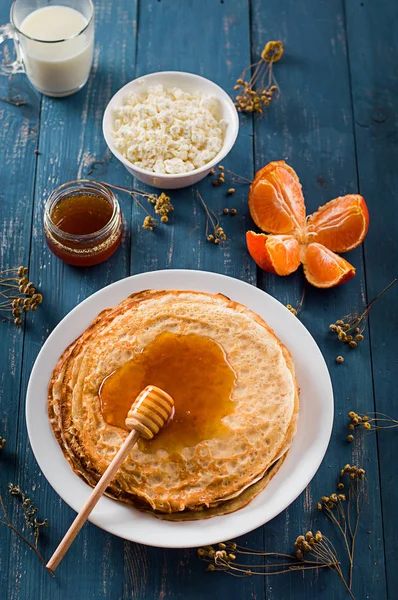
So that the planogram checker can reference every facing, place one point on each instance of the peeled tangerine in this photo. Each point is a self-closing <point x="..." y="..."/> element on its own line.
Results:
<point x="276" y="204"/>
<point x="279" y="254"/>
<point x="276" y="201"/>
<point x="323" y="268"/>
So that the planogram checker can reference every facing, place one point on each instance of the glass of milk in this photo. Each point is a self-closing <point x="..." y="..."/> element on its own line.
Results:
<point x="54" y="42"/>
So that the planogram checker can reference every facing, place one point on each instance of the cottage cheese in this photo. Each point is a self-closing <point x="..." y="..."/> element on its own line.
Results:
<point x="167" y="130"/>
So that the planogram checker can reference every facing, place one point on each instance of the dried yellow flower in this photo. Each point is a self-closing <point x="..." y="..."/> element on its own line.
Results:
<point x="257" y="93"/>
<point x="149" y="223"/>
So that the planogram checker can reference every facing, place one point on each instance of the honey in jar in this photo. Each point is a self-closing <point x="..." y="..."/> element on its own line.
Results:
<point x="83" y="222"/>
<point x="194" y="370"/>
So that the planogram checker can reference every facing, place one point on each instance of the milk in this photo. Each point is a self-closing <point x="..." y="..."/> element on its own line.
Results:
<point x="61" y="67"/>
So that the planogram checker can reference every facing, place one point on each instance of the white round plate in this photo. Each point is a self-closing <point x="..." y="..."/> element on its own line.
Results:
<point x="304" y="457"/>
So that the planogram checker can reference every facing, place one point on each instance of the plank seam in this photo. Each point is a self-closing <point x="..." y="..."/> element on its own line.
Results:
<point x="258" y="274"/>
<point x="137" y="29"/>
<point x="17" y="432"/>
<point x="137" y="34"/>
<point x="366" y="290"/>
<point x="252" y="53"/>
<point x="29" y="261"/>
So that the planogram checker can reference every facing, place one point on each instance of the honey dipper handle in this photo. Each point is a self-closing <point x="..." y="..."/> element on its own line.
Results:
<point x="95" y="495"/>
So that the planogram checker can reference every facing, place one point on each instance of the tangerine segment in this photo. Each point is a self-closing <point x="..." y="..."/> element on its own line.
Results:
<point x="323" y="268"/>
<point x="261" y="173"/>
<point x="341" y="224"/>
<point x="279" y="254"/>
<point x="276" y="201"/>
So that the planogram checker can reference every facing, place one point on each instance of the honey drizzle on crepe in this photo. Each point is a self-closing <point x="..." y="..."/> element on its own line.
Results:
<point x="194" y="370"/>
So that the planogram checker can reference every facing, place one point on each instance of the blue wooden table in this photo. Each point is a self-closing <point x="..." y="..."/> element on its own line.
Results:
<point x="336" y="124"/>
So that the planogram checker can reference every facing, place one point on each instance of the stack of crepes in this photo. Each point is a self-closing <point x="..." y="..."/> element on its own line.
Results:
<point x="215" y="476"/>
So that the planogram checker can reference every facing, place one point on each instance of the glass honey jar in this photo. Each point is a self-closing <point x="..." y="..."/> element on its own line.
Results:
<point x="83" y="222"/>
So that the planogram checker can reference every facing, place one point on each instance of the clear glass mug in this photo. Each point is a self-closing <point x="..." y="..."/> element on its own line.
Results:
<point x="55" y="67"/>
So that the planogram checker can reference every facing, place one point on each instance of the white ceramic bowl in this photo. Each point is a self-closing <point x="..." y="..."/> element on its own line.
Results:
<point x="187" y="82"/>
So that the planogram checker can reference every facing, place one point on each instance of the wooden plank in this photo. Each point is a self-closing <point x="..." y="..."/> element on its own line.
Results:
<point x="373" y="51"/>
<point x="221" y="32"/>
<point x="18" y="138"/>
<point x="311" y="127"/>
<point x="70" y="142"/>
<point x="213" y="42"/>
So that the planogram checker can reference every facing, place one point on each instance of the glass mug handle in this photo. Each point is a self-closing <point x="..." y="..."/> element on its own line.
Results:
<point x="7" y="32"/>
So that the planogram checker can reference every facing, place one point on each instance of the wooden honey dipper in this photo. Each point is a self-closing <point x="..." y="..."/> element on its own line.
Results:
<point x="147" y="415"/>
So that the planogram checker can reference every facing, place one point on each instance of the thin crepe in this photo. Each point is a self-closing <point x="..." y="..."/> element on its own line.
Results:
<point x="202" y="478"/>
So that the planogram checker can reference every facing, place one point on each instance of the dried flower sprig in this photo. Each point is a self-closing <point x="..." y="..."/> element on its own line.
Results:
<point x="349" y="329"/>
<point x="30" y="512"/>
<point x="311" y="552"/>
<point x="149" y="223"/>
<point x="296" y="310"/>
<point x="372" y="421"/>
<point x="258" y="92"/>
<point x="322" y="549"/>
<point x="291" y="309"/>
<point x="218" y="234"/>
<point x="14" y="101"/>
<point x="344" y="508"/>
<point x="18" y="294"/>
<point x="225" y="558"/>
<point x="161" y="203"/>
<point x="234" y="177"/>
<point x="33" y="523"/>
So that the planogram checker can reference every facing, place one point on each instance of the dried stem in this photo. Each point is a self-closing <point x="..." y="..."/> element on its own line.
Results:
<point x="133" y="193"/>
<point x="296" y="311"/>
<point x="8" y="524"/>
<point x="18" y="293"/>
<point x="161" y="202"/>
<point x="343" y="532"/>
<point x="381" y="293"/>
<point x="218" y="235"/>
<point x="300" y="304"/>
<point x="372" y="421"/>
<point x="320" y="551"/>
<point x="239" y="178"/>
<point x="257" y="93"/>
<point x="17" y="101"/>
<point x="349" y="329"/>
<point x="344" y="511"/>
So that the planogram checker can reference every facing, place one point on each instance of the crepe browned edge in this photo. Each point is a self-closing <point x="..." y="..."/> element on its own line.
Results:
<point x="229" y="506"/>
<point x="77" y="459"/>
<point x="92" y="477"/>
<point x="75" y="447"/>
